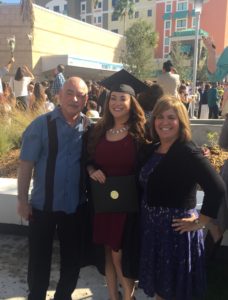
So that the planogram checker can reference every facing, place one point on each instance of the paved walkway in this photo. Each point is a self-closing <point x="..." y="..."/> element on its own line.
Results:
<point x="13" y="269"/>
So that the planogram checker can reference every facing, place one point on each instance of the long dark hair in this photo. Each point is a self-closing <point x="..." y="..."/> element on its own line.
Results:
<point x="136" y="123"/>
<point x="39" y="96"/>
<point x="19" y="74"/>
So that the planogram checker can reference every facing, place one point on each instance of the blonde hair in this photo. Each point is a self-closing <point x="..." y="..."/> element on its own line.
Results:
<point x="171" y="102"/>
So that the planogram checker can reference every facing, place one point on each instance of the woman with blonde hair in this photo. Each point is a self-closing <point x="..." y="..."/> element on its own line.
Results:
<point x="172" y="250"/>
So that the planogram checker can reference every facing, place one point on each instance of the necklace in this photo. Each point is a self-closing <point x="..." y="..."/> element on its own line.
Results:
<point x="117" y="131"/>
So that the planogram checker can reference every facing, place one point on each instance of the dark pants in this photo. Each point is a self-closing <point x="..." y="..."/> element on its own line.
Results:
<point x="42" y="228"/>
<point x="213" y="112"/>
<point x="21" y="103"/>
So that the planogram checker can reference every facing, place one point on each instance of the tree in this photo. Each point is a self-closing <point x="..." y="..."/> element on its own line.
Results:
<point x="122" y="9"/>
<point x="140" y="43"/>
<point x="181" y="61"/>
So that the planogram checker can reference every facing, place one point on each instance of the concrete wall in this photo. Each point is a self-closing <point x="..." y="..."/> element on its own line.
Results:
<point x="199" y="132"/>
<point x="11" y="24"/>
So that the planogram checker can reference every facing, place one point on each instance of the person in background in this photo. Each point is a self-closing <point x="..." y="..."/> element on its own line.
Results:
<point x="113" y="146"/>
<point x="58" y="81"/>
<point x="48" y="86"/>
<point x="52" y="147"/>
<point x="203" y="105"/>
<point x="213" y="100"/>
<point x="92" y="109"/>
<point x="103" y="95"/>
<point x="19" y="85"/>
<point x="38" y="99"/>
<point x="172" y="251"/>
<point x="217" y="70"/>
<point x="147" y="99"/>
<point x="225" y="101"/>
<point x="4" y="71"/>
<point x="30" y="92"/>
<point x="183" y="95"/>
<point x="8" y="94"/>
<point x="168" y="80"/>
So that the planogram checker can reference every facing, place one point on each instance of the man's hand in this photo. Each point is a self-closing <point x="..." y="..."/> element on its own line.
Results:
<point x="12" y="60"/>
<point x="24" y="210"/>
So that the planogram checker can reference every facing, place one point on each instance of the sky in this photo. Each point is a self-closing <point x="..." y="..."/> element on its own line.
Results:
<point x="10" y="1"/>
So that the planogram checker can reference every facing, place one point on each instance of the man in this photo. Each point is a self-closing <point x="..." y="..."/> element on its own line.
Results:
<point x="52" y="147"/>
<point x="213" y="101"/>
<point x="169" y="81"/>
<point x="4" y="71"/>
<point x="58" y="81"/>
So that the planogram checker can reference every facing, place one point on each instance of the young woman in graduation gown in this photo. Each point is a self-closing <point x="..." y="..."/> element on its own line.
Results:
<point x="112" y="146"/>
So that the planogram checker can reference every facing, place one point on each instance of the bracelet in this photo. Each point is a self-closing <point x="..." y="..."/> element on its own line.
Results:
<point x="197" y="222"/>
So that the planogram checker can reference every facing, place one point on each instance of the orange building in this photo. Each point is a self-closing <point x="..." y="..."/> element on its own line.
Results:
<point x="175" y="21"/>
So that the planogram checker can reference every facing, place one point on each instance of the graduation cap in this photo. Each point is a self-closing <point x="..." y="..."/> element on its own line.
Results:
<point x="124" y="82"/>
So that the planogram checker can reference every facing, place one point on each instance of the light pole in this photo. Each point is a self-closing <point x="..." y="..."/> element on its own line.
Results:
<point x="198" y="4"/>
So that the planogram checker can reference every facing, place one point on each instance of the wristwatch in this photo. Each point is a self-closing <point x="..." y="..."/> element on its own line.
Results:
<point x="197" y="222"/>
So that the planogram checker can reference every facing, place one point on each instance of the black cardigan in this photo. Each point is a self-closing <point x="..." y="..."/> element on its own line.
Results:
<point x="174" y="181"/>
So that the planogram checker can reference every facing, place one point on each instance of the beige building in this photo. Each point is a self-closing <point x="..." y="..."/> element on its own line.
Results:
<point x="85" y="50"/>
<point x="101" y="15"/>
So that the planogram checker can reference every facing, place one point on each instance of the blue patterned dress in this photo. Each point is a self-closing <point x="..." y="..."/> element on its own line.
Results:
<point x="171" y="264"/>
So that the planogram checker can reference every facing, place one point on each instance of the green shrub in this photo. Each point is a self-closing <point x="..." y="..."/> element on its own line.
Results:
<point x="11" y="129"/>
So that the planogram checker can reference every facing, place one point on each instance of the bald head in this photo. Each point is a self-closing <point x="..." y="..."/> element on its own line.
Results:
<point x="76" y="82"/>
<point x="73" y="97"/>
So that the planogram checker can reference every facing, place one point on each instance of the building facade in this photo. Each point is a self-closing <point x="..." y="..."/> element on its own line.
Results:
<point x="176" y="21"/>
<point x="85" y="50"/>
<point x="101" y="15"/>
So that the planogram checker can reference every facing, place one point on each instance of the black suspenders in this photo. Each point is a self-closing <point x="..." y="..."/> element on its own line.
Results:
<point x="51" y="161"/>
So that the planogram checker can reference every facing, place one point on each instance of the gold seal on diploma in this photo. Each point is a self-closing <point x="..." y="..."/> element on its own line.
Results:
<point x="114" y="195"/>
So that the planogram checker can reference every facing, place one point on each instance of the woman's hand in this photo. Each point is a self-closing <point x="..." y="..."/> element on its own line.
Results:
<point x="97" y="175"/>
<point x="205" y="151"/>
<point x="186" y="224"/>
<point x="209" y="44"/>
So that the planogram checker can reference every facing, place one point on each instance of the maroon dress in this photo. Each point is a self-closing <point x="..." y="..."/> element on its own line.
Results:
<point x="116" y="158"/>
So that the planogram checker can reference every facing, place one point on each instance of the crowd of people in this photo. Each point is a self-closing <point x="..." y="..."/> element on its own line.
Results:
<point x="139" y="158"/>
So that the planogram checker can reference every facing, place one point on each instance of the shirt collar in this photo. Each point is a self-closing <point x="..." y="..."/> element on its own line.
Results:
<point x="56" y="113"/>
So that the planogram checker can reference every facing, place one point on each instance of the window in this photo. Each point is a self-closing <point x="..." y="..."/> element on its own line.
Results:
<point x="115" y="30"/>
<point x="99" y="5"/>
<point x="167" y="24"/>
<point x="182" y="6"/>
<point x="136" y="14"/>
<point x="114" y="17"/>
<point x="166" y="41"/>
<point x="56" y="8"/>
<point x="97" y="20"/>
<point x="181" y="24"/>
<point x="149" y="13"/>
<point x="168" y="8"/>
<point x="83" y="19"/>
<point x="193" y="22"/>
<point x="83" y="6"/>
<point x="65" y="8"/>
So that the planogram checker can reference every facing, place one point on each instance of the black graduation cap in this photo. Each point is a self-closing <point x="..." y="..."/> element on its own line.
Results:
<point x="125" y="82"/>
